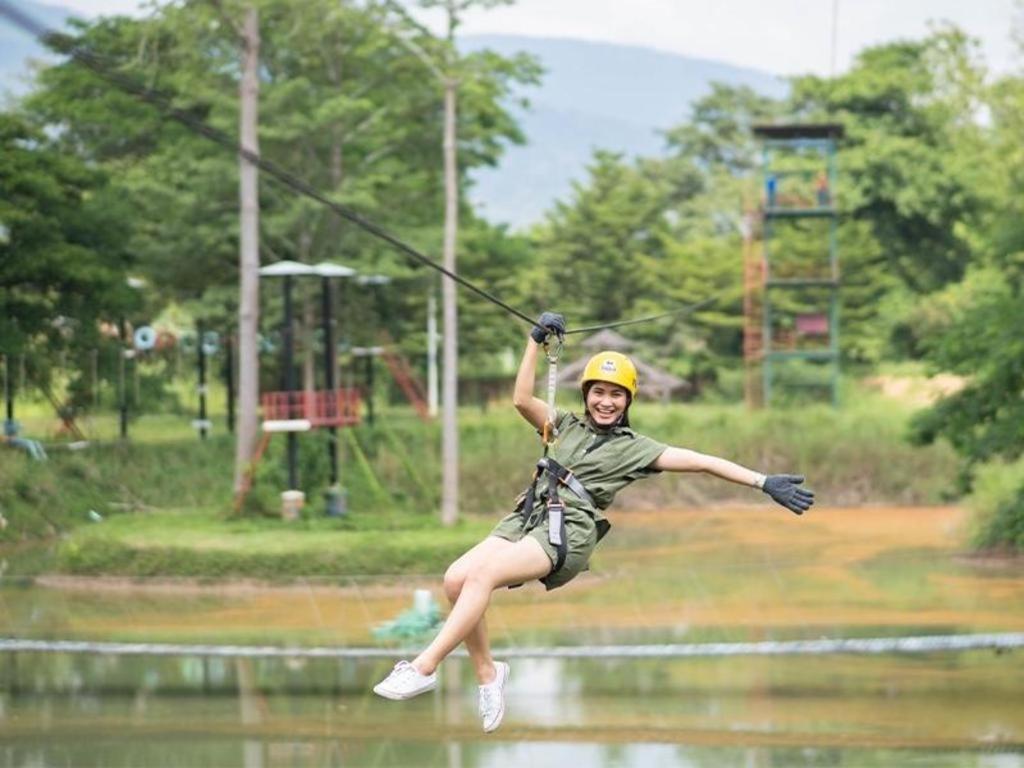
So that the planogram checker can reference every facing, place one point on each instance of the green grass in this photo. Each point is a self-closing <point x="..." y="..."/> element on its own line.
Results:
<point x="166" y="496"/>
<point x="201" y="544"/>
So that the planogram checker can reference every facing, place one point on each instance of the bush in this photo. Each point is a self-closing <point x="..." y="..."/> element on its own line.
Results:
<point x="998" y="506"/>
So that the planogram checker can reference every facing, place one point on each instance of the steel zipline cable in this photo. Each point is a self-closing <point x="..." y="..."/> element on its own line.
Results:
<point x="689" y="309"/>
<point x="64" y="44"/>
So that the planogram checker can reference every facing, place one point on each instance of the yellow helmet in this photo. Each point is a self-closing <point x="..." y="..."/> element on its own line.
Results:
<point x="613" y="367"/>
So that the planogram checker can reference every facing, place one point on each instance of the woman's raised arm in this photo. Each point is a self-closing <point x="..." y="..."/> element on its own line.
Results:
<point x="531" y="408"/>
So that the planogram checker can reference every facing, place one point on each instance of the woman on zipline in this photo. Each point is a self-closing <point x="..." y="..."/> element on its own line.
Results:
<point x="560" y="518"/>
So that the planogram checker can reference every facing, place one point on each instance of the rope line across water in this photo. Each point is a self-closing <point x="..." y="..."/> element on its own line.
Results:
<point x="874" y="645"/>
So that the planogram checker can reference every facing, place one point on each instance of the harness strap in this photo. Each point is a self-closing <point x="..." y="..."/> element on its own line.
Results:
<point x="557" y="475"/>
<point x="556" y="522"/>
<point x="566" y="478"/>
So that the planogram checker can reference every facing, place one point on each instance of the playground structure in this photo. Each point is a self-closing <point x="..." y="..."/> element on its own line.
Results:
<point x="791" y="263"/>
<point x="291" y="410"/>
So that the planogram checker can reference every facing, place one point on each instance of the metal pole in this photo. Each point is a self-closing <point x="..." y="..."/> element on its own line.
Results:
<point x="8" y="390"/>
<point x="289" y="382"/>
<point x="229" y="379"/>
<point x="121" y="393"/>
<point x="369" y="386"/>
<point x="833" y="257"/>
<point x="200" y="347"/>
<point x="95" y="359"/>
<point x="432" y="399"/>
<point x="330" y="383"/>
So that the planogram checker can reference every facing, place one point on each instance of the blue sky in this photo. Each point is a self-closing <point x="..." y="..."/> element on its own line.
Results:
<point x="782" y="36"/>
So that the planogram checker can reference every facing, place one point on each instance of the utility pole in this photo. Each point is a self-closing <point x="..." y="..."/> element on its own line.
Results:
<point x="447" y="74"/>
<point x="449" y="305"/>
<point x="432" y="404"/>
<point x="248" y="251"/>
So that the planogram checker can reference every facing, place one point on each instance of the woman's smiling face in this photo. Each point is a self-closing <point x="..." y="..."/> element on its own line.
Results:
<point x="606" y="403"/>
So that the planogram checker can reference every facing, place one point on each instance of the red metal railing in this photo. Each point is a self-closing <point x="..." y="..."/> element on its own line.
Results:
<point x="323" y="408"/>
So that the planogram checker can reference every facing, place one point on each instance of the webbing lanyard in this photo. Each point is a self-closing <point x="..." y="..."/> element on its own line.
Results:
<point x="550" y="433"/>
<point x="555" y="508"/>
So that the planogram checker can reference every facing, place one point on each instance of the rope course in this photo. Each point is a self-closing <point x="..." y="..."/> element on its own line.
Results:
<point x="162" y="101"/>
<point x="860" y="646"/>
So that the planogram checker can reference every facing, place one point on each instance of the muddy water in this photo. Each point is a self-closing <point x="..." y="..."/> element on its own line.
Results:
<point x="939" y="710"/>
<point x="686" y="577"/>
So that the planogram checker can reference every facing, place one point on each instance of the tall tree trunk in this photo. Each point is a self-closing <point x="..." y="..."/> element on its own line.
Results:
<point x="248" y="252"/>
<point x="449" y="328"/>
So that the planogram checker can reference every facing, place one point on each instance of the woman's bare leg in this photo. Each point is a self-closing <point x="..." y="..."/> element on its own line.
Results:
<point x="477" y="641"/>
<point x="507" y="563"/>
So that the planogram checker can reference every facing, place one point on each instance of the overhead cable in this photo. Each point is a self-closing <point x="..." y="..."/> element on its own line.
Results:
<point x="163" y="102"/>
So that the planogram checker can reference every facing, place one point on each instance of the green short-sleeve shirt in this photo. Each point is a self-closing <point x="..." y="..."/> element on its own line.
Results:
<point x="604" y="460"/>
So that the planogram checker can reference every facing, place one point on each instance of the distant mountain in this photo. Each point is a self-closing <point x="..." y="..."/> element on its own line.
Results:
<point x="593" y="96"/>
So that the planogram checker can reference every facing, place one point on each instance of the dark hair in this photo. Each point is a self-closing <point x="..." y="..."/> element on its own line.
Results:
<point x="624" y="418"/>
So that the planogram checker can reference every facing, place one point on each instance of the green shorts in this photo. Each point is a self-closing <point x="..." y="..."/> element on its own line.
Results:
<point x="580" y="534"/>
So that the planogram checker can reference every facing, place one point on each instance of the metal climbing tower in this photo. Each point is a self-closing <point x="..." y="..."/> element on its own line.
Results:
<point x="791" y="264"/>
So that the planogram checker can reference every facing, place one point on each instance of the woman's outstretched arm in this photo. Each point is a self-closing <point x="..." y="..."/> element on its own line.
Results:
<point x="784" y="489"/>
<point x="684" y="460"/>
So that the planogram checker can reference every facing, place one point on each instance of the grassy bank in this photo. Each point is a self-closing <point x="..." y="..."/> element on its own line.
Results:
<point x="723" y="574"/>
<point x="166" y="507"/>
<point x="202" y="545"/>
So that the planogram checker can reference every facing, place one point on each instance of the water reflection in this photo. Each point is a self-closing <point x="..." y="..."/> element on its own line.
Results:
<point x="938" y="710"/>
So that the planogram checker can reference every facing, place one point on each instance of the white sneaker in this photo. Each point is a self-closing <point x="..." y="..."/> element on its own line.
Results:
<point x="404" y="682"/>
<point x="492" y="698"/>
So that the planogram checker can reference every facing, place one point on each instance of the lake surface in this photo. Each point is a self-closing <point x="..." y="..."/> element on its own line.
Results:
<point x="717" y="575"/>
<point x="964" y="709"/>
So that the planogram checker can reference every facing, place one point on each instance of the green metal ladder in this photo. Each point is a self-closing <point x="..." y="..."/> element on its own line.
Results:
<point x="799" y="175"/>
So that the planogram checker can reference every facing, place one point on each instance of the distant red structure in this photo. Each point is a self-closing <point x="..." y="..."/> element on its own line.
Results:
<point x="322" y="408"/>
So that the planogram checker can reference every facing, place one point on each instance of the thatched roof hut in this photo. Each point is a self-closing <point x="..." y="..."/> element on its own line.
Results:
<point x="655" y="384"/>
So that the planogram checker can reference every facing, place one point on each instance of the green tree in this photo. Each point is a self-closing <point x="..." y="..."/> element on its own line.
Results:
<point x="598" y="252"/>
<point x="344" y="106"/>
<point x="973" y="328"/>
<point x="662" y="233"/>
<point x="63" y="261"/>
<point x="910" y="184"/>
<point x="718" y="136"/>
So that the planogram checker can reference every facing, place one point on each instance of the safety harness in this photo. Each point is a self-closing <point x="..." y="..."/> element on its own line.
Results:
<point x="556" y="473"/>
<point x="554" y="508"/>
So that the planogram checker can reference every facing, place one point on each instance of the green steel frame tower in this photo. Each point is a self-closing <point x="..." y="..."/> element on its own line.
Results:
<point x="800" y="286"/>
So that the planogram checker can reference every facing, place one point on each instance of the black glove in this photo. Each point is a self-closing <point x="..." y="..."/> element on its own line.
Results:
<point x="786" y="490"/>
<point x="548" y="323"/>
